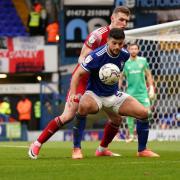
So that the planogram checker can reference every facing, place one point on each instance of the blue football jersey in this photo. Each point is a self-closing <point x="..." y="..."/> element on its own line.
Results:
<point x="94" y="61"/>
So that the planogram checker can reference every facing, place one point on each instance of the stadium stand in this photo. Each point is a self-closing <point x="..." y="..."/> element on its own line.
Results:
<point x="11" y="24"/>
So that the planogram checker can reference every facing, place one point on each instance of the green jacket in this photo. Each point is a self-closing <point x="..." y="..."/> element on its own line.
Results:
<point x="37" y="109"/>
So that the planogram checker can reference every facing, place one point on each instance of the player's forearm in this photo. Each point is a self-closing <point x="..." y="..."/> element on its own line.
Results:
<point x="150" y="83"/>
<point x="74" y="83"/>
<point x="151" y="87"/>
<point x="149" y="77"/>
<point x="150" y="80"/>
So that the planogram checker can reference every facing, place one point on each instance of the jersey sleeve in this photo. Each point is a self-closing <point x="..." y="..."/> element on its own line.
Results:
<point x="92" y="41"/>
<point x="89" y="63"/>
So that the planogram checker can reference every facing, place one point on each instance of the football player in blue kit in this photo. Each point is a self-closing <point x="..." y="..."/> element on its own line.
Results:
<point x="106" y="97"/>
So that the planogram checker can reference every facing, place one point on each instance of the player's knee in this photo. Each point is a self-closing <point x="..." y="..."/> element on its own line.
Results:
<point x="144" y="114"/>
<point x="87" y="108"/>
<point x="83" y="109"/>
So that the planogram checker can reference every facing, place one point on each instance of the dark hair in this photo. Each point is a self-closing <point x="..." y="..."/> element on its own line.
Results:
<point x="133" y="44"/>
<point x="122" y="9"/>
<point x="116" y="33"/>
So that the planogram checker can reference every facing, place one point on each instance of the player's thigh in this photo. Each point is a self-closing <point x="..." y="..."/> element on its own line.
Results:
<point x="88" y="105"/>
<point x="112" y="116"/>
<point x="131" y="107"/>
<point x="145" y="101"/>
<point x="69" y="112"/>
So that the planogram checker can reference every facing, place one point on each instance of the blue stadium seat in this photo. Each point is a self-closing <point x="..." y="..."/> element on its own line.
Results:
<point x="10" y="24"/>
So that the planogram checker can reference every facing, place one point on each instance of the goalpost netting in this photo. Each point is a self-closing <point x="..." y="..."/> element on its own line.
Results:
<point x="160" y="44"/>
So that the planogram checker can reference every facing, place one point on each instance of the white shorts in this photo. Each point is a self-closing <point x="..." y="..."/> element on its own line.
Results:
<point x="113" y="102"/>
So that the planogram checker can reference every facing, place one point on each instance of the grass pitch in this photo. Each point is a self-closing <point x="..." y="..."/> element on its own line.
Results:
<point x="55" y="162"/>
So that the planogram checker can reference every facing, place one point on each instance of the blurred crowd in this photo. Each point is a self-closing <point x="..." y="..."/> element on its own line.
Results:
<point x="29" y="113"/>
<point x="25" y="109"/>
<point x="41" y="23"/>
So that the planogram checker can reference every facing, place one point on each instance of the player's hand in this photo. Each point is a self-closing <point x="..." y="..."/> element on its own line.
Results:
<point x="73" y="98"/>
<point x="151" y="93"/>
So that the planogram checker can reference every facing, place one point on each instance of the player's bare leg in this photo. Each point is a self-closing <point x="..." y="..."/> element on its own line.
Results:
<point x="52" y="127"/>
<point x="131" y="107"/>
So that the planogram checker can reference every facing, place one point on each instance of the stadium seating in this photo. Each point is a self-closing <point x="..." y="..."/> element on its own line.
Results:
<point x="10" y="24"/>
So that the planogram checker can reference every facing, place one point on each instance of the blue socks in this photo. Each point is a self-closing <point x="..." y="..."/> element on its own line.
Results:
<point x="142" y="132"/>
<point x="78" y="129"/>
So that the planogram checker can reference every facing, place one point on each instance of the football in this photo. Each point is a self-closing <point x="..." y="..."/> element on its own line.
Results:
<point x="109" y="74"/>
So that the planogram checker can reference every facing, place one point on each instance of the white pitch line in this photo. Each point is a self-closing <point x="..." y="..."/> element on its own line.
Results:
<point x="11" y="146"/>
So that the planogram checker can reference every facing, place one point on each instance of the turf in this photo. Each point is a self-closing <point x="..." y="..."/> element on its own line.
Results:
<point x="55" y="162"/>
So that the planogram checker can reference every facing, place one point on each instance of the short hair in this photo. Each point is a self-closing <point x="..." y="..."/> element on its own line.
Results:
<point x="133" y="44"/>
<point x="122" y="9"/>
<point x="116" y="33"/>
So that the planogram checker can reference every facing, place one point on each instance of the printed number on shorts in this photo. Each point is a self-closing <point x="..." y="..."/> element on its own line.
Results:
<point x="119" y="94"/>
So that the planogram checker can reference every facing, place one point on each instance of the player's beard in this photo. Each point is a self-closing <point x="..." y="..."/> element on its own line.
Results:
<point x="134" y="55"/>
<point x="114" y="52"/>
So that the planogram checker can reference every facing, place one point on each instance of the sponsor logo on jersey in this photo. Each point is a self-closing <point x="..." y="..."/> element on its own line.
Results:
<point x="87" y="60"/>
<point x="135" y="72"/>
<point x="91" y="40"/>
